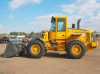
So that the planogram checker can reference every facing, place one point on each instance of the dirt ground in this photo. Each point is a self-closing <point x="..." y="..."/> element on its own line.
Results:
<point x="51" y="63"/>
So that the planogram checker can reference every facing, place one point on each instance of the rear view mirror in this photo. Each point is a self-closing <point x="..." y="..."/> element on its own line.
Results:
<point x="52" y="19"/>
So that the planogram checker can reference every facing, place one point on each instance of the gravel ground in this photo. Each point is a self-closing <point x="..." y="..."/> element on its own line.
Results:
<point x="51" y="63"/>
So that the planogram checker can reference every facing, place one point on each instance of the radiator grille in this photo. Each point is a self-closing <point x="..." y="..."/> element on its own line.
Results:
<point x="88" y="37"/>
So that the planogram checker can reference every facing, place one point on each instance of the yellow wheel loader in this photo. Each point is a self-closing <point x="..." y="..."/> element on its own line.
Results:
<point x="59" y="38"/>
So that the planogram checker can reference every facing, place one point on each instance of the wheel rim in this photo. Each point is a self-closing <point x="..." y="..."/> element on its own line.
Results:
<point x="35" y="49"/>
<point x="76" y="49"/>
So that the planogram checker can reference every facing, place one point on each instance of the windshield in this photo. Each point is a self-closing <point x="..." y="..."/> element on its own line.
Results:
<point x="52" y="26"/>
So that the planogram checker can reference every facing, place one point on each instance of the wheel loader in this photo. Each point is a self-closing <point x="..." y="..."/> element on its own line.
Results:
<point x="74" y="41"/>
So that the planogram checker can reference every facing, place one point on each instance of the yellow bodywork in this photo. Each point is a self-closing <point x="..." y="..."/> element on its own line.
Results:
<point x="62" y="38"/>
<point x="94" y="44"/>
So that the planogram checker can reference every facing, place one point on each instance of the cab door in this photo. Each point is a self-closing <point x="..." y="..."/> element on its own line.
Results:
<point x="60" y="28"/>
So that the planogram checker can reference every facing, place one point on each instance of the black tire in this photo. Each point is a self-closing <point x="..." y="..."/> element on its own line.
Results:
<point x="69" y="49"/>
<point x="42" y="49"/>
<point x="45" y="52"/>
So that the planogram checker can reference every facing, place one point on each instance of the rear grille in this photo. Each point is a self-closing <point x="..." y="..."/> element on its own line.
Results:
<point x="88" y="37"/>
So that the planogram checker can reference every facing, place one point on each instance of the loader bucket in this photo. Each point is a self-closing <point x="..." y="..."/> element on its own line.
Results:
<point x="11" y="50"/>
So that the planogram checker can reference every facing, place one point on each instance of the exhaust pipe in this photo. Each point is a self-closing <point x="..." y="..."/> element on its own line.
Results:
<point x="78" y="24"/>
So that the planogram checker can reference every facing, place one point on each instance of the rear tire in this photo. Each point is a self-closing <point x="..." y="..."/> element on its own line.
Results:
<point x="36" y="49"/>
<point x="76" y="49"/>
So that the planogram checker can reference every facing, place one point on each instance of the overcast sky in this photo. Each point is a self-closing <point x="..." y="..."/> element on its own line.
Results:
<point x="35" y="15"/>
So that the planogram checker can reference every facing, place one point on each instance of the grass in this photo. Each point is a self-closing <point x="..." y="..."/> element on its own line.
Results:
<point x="97" y="38"/>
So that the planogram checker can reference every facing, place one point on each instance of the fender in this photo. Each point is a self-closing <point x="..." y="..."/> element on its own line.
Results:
<point x="38" y="37"/>
<point x="68" y="40"/>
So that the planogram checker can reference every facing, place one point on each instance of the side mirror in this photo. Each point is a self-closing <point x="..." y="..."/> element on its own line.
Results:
<point x="52" y="19"/>
<point x="73" y="25"/>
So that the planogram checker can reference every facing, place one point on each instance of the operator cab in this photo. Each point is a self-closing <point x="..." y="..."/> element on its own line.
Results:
<point x="60" y="24"/>
<point x="58" y="27"/>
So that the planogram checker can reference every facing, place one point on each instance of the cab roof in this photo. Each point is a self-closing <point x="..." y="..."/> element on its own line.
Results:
<point x="59" y="16"/>
<point x="53" y="17"/>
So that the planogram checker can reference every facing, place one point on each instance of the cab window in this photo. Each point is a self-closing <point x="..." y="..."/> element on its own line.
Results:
<point x="60" y="24"/>
<point x="53" y="27"/>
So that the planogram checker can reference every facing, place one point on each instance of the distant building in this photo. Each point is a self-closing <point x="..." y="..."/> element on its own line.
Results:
<point x="97" y="35"/>
<point x="21" y="36"/>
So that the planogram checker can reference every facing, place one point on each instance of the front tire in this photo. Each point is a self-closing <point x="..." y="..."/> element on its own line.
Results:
<point x="76" y="49"/>
<point x="36" y="49"/>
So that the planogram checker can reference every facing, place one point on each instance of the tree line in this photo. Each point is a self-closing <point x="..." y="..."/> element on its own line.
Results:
<point x="22" y="33"/>
<point x="19" y="33"/>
